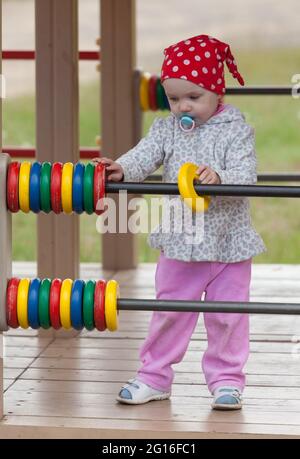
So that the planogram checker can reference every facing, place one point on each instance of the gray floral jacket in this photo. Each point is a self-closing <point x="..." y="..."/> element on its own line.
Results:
<point x="226" y="144"/>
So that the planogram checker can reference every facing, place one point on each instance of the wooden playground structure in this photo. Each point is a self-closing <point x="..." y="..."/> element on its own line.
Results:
<point x="57" y="384"/>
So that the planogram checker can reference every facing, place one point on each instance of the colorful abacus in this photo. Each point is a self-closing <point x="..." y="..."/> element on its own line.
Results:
<point x="62" y="303"/>
<point x="42" y="187"/>
<point x="152" y="94"/>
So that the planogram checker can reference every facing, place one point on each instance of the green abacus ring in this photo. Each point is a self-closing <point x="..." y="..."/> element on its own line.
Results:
<point x="88" y="188"/>
<point x="44" y="292"/>
<point x="88" y="305"/>
<point x="160" y="95"/>
<point x="45" y="187"/>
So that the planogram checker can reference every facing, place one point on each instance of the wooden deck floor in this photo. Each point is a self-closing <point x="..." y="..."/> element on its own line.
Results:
<point x="66" y="388"/>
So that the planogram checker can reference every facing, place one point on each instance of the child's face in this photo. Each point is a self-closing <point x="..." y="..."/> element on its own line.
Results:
<point x="188" y="98"/>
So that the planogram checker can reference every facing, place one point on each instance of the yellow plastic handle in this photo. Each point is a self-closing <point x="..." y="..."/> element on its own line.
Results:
<point x="186" y="176"/>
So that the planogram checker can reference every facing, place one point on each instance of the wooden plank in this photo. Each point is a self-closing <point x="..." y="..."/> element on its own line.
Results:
<point x="94" y="271"/>
<point x="58" y="401"/>
<point x="278" y="393"/>
<point x="27" y="341"/>
<point x="7" y="383"/>
<point x="94" y="406"/>
<point x="64" y="427"/>
<point x="90" y="339"/>
<point x="20" y="332"/>
<point x="57" y="126"/>
<point x="139" y="321"/>
<point x="270" y="327"/>
<point x="195" y="344"/>
<point x="142" y="334"/>
<point x="24" y="269"/>
<point x="86" y="270"/>
<point x="278" y="271"/>
<point x="21" y="352"/>
<point x="126" y="353"/>
<point x="18" y="362"/>
<point x="12" y="373"/>
<point x="263" y="380"/>
<point x="257" y="364"/>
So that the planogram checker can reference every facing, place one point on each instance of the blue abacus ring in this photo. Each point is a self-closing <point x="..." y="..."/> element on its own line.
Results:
<point x="78" y="188"/>
<point x="77" y="304"/>
<point x="33" y="303"/>
<point x="34" y="187"/>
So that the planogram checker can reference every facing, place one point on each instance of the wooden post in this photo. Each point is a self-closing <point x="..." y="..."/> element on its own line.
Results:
<point x="5" y="239"/>
<point x="118" y="107"/>
<point x="1" y="257"/>
<point x="5" y="257"/>
<point x="57" y="137"/>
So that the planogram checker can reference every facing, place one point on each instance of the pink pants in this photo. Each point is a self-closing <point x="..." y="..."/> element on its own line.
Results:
<point x="170" y="332"/>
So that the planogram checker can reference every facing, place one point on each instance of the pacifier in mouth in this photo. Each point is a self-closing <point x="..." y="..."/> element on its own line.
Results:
<point x="186" y="123"/>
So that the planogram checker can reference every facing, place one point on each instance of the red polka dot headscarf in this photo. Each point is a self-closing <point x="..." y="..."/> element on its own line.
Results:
<point x="200" y="60"/>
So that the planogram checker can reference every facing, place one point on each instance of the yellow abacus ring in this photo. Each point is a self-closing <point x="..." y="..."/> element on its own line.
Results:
<point x="144" y="91"/>
<point x="22" y="301"/>
<point x="66" y="188"/>
<point x="65" y="303"/>
<point x="186" y="176"/>
<point x="24" y="178"/>
<point x="111" y="298"/>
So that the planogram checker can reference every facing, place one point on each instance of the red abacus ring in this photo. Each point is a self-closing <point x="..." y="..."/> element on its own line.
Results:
<point x="54" y="303"/>
<point x="55" y="187"/>
<point x="12" y="186"/>
<point x="152" y="93"/>
<point x="99" y="188"/>
<point x="11" y="302"/>
<point x="99" y="305"/>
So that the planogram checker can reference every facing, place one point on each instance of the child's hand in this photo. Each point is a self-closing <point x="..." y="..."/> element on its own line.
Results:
<point x="114" y="170"/>
<point x="207" y="176"/>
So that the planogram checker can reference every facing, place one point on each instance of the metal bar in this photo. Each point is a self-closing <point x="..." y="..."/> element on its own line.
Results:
<point x="20" y="152"/>
<point x="129" y="304"/>
<point x="30" y="55"/>
<point x="278" y="177"/>
<point x="263" y="177"/>
<point x="210" y="190"/>
<point x="260" y="91"/>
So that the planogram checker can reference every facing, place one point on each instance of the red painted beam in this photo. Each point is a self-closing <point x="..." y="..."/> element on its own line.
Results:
<point x="20" y="152"/>
<point x="30" y="55"/>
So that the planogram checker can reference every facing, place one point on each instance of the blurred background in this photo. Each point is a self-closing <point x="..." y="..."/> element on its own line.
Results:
<point x="265" y="40"/>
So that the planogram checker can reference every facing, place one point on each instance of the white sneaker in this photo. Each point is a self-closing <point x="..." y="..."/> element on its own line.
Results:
<point x="227" y="398"/>
<point x="136" y="392"/>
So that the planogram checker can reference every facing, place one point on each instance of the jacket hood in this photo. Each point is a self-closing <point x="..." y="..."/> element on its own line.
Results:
<point x="227" y="115"/>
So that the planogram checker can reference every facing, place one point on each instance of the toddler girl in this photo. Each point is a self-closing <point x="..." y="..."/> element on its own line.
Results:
<point x="203" y="130"/>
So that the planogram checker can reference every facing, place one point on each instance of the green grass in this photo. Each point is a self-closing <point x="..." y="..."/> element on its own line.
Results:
<point x="276" y="120"/>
